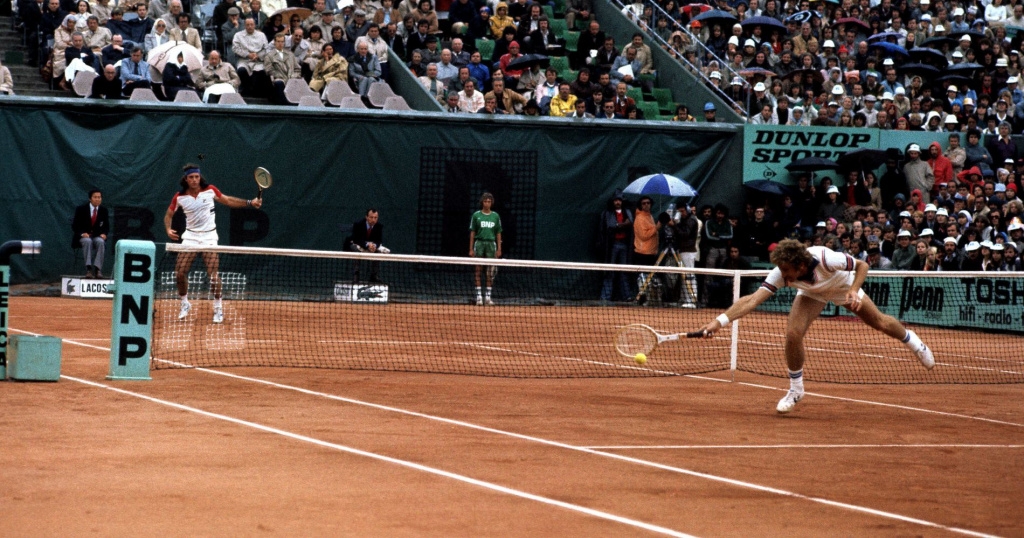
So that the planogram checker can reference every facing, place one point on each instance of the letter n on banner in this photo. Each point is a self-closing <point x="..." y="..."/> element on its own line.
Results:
<point x="132" y="334"/>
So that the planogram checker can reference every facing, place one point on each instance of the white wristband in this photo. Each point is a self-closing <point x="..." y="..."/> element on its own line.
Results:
<point x="723" y="320"/>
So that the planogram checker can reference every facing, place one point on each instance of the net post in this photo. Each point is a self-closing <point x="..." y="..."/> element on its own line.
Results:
<point x="734" y="345"/>
<point x="5" y="280"/>
<point x="131" y="334"/>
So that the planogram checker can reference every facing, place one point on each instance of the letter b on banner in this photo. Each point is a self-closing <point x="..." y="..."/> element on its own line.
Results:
<point x="132" y="334"/>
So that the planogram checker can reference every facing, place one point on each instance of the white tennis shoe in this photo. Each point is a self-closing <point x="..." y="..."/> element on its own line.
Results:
<point x="218" y="314"/>
<point x="789" y="401"/>
<point x="185" y="309"/>
<point x="924" y="354"/>
<point x="488" y="302"/>
<point x="479" y="301"/>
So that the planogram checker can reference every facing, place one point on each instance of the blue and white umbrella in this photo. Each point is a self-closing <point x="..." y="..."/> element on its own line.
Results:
<point x="660" y="184"/>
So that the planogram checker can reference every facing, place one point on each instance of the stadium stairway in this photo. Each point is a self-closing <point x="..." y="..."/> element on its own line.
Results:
<point x="27" y="80"/>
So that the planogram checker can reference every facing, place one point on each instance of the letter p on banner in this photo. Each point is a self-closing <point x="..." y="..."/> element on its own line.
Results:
<point x="132" y="331"/>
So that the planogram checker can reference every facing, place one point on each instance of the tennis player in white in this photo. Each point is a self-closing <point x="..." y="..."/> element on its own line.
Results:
<point x="196" y="198"/>
<point x="820" y="275"/>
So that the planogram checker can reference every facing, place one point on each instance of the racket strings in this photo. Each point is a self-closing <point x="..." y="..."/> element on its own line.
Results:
<point x="633" y="340"/>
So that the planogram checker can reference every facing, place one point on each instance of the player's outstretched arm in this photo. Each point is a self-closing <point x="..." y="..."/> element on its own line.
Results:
<point x="740" y="308"/>
<point x="234" y="202"/>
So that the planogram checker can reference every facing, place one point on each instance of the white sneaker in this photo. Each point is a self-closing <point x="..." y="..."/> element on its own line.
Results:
<point x="925" y="356"/>
<point x="788" y="402"/>
<point x="479" y="301"/>
<point x="185" y="309"/>
<point x="489" y="302"/>
<point x="218" y="314"/>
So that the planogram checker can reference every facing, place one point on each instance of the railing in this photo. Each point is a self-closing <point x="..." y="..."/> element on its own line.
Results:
<point x="702" y="52"/>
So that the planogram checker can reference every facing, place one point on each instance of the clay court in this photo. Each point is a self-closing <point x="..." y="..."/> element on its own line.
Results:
<point x="328" y="451"/>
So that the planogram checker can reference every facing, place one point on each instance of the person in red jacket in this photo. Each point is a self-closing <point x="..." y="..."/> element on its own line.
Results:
<point x="942" y="167"/>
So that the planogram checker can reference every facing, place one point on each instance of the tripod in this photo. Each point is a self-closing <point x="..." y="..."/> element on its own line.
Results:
<point x="688" y="292"/>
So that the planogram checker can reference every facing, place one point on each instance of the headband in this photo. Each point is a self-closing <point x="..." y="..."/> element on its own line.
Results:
<point x="195" y="170"/>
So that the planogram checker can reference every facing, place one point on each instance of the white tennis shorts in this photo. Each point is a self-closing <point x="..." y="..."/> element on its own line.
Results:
<point x="199" y="239"/>
<point x="837" y="297"/>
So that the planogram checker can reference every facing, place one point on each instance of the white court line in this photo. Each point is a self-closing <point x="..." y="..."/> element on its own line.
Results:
<point x="729" y="447"/>
<point x="408" y="464"/>
<point x="610" y="455"/>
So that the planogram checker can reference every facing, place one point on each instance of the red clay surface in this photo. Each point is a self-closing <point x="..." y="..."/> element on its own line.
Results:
<point x="690" y="455"/>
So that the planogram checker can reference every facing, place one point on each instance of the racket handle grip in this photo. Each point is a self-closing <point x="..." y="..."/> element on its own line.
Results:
<point x="695" y="334"/>
<point x="259" y="195"/>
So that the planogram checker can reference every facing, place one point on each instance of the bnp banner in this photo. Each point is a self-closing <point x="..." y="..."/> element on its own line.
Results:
<point x="989" y="303"/>
<point x="767" y="149"/>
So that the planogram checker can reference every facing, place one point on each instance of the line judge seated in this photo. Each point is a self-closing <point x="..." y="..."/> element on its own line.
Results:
<point x="89" y="228"/>
<point x="367" y="235"/>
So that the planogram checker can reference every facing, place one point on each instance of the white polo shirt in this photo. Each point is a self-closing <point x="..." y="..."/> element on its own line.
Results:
<point x="828" y="278"/>
<point x="199" y="210"/>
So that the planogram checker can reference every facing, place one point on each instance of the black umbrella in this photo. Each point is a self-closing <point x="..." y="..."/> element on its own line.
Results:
<point x="928" y="56"/>
<point x="811" y="164"/>
<point x="716" y="16"/>
<point x="766" y="23"/>
<point x="963" y="68"/>
<point x="810" y="75"/>
<point x="862" y="159"/>
<point x="767" y="186"/>
<point x="955" y="78"/>
<point x="937" y="41"/>
<point x="925" y="70"/>
<point x="884" y="36"/>
<point x="527" y="61"/>
<point x="801" y="17"/>
<point x="890" y="49"/>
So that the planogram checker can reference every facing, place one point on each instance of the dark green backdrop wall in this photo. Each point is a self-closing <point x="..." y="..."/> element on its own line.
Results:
<point x="424" y="173"/>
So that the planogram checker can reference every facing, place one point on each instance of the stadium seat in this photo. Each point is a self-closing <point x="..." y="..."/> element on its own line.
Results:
<point x="649" y="109"/>
<point x="560" y="7"/>
<point x="549" y="12"/>
<point x="231" y="99"/>
<point x="664" y="98"/>
<point x="572" y="40"/>
<point x="486" y="48"/>
<point x="560" y="63"/>
<point x="83" y="83"/>
<point x="352" y="101"/>
<point x="396" y="102"/>
<point x="187" y="97"/>
<point x="559" y="27"/>
<point x="295" y="89"/>
<point x="379" y="93"/>
<point x="636" y="93"/>
<point x="311" y="101"/>
<point x="144" y="95"/>
<point x="337" y="90"/>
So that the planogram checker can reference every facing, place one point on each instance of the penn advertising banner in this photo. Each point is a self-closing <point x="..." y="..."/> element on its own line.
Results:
<point x="990" y="303"/>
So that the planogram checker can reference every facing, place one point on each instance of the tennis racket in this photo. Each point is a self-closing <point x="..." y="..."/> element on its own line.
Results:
<point x="263" y="179"/>
<point x="638" y="338"/>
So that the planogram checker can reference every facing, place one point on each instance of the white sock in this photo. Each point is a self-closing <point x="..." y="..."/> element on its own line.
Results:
<point x="479" y="293"/>
<point x="796" y="380"/>
<point x="184" y="299"/>
<point x="217" y="302"/>
<point x="488" y="292"/>
<point x="911" y="340"/>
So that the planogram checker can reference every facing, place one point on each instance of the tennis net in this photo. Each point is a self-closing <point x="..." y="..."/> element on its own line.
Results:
<point x="293" y="308"/>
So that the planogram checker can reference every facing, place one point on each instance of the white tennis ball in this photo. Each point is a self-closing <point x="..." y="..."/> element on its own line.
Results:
<point x="640" y="358"/>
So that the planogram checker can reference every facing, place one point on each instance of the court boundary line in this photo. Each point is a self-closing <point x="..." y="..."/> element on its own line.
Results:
<point x="388" y="459"/>
<point x="810" y="446"/>
<point x="610" y="455"/>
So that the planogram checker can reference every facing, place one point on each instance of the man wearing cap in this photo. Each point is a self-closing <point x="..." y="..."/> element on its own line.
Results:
<point x="709" y="112"/>
<point x="972" y="260"/>
<point x="918" y="173"/>
<point x="904" y="256"/>
<point x="759" y="100"/>
<point x="958" y="25"/>
<point x="963" y="46"/>
<point x="951" y="257"/>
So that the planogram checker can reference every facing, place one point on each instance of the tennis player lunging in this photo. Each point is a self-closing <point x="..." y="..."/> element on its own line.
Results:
<point x="196" y="199"/>
<point x="820" y="275"/>
<point x="485" y="242"/>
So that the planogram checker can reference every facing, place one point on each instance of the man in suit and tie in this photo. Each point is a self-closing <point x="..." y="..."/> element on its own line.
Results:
<point x="367" y="234"/>
<point x="135" y="72"/>
<point x="89" y="230"/>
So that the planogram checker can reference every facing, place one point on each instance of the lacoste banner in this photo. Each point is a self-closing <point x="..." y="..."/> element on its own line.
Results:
<point x="767" y="149"/>
<point x="990" y="303"/>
